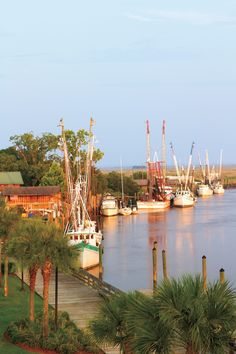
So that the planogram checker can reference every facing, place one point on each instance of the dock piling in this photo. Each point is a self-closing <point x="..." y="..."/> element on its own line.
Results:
<point x="100" y="261"/>
<point x="222" y="276"/>
<point x="154" y="264"/>
<point x="165" y="275"/>
<point x="204" y="272"/>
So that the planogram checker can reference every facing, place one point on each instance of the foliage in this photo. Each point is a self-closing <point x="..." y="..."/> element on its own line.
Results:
<point x="8" y="220"/>
<point x="114" y="184"/>
<point x="140" y="175"/>
<point x="35" y="241"/>
<point x="33" y="155"/>
<point x="180" y="314"/>
<point x="66" y="339"/>
<point x="54" y="176"/>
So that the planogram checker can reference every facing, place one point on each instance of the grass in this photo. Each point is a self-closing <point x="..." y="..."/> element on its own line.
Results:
<point x="13" y="308"/>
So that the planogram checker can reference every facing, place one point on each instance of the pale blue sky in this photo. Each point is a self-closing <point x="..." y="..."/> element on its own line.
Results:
<point x="122" y="62"/>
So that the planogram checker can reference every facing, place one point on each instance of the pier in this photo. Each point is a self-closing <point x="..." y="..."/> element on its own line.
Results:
<point x="80" y="295"/>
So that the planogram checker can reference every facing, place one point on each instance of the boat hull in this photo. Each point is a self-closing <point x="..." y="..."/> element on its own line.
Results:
<point x="125" y="211"/>
<point x="218" y="191"/>
<point x="88" y="257"/>
<point x="109" y="212"/>
<point x="153" y="205"/>
<point x="181" y="202"/>
<point x="204" y="191"/>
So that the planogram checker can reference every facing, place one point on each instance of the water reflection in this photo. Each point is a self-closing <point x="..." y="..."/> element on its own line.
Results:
<point x="185" y="234"/>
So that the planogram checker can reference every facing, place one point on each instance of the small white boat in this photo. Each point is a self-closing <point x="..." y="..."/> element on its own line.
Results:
<point x="218" y="189"/>
<point x="204" y="190"/>
<point x="125" y="211"/>
<point x="184" y="198"/>
<point x="153" y="204"/>
<point x="109" y="206"/>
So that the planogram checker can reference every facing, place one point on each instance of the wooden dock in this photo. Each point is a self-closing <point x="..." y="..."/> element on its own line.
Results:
<point x="76" y="298"/>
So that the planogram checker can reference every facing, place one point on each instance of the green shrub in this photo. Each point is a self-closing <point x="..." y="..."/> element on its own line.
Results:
<point x="67" y="339"/>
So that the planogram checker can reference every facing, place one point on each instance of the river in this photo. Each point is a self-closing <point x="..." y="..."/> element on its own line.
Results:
<point x="207" y="229"/>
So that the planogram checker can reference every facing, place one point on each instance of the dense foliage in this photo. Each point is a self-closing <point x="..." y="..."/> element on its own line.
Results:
<point x="33" y="155"/>
<point x="179" y="315"/>
<point x="66" y="339"/>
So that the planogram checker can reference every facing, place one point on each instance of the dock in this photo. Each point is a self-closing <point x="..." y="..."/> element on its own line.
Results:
<point x="79" y="300"/>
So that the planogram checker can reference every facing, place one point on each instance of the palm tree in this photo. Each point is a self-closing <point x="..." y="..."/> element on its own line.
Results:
<point x="9" y="219"/>
<point x="24" y="245"/>
<point x="42" y="246"/>
<point x="204" y="321"/>
<point x="110" y="327"/>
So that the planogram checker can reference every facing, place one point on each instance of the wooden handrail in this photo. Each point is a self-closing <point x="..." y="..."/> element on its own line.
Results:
<point x="101" y="286"/>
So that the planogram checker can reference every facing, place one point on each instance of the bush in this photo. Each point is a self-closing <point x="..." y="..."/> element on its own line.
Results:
<point x="67" y="339"/>
<point x="11" y="267"/>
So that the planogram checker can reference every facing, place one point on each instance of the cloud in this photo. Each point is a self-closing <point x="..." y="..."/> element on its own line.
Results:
<point x="188" y="17"/>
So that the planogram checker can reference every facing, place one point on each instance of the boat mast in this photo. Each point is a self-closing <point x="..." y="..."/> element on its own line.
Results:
<point x="148" y="156"/>
<point x="221" y="159"/>
<point x="208" y="168"/>
<point x="176" y="164"/>
<point x="163" y="157"/>
<point x="89" y="160"/>
<point x="202" y="168"/>
<point x="122" y="182"/>
<point x="69" y="180"/>
<point x="189" y="165"/>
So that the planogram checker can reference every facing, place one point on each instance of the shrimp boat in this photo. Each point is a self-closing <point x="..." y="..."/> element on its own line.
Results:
<point x="183" y="196"/>
<point x="80" y="230"/>
<point x="205" y="188"/>
<point x="218" y="186"/>
<point x="158" y="196"/>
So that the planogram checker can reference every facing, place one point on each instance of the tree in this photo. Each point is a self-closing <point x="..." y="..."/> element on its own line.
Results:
<point x="24" y="245"/>
<point x="203" y="320"/>
<point x="109" y="327"/>
<point x="8" y="222"/>
<point x="44" y="246"/>
<point x="54" y="176"/>
<point x="114" y="184"/>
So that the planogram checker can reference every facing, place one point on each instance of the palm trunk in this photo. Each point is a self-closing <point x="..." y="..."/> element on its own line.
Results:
<point x="6" y="277"/>
<point x="0" y="263"/>
<point x="46" y="273"/>
<point x="190" y="350"/>
<point x="32" y="279"/>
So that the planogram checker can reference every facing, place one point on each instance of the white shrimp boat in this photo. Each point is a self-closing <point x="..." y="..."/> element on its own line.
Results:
<point x="184" y="198"/>
<point x="109" y="206"/>
<point x="204" y="190"/>
<point x="80" y="229"/>
<point x="218" y="189"/>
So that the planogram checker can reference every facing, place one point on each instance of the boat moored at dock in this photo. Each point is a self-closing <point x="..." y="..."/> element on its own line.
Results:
<point x="109" y="206"/>
<point x="184" y="199"/>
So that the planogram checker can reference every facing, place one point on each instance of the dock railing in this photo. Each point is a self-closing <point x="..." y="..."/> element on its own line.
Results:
<point x="93" y="282"/>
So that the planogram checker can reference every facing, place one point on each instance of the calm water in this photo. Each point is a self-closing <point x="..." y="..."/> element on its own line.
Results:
<point x="186" y="234"/>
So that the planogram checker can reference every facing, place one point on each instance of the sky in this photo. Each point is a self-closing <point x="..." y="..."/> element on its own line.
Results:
<point x="122" y="62"/>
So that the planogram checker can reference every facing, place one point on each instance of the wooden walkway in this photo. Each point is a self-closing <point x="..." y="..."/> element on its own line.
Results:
<point x="80" y="301"/>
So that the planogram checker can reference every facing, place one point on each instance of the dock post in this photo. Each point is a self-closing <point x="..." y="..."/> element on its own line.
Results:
<point x="222" y="276"/>
<point x="165" y="275"/>
<point x="154" y="264"/>
<point x="100" y="261"/>
<point x="204" y="272"/>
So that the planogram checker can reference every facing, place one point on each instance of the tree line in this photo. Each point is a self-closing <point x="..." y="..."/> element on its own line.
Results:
<point x="40" y="161"/>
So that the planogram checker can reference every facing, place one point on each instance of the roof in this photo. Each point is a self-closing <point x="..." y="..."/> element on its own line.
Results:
<point x="11" y="178"/>
<point x="40" y="190"/>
